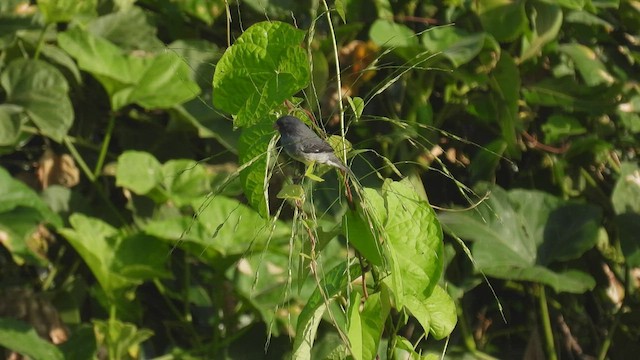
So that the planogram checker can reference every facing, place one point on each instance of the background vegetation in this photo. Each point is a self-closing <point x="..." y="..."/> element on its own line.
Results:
<point x="136" y="146"/>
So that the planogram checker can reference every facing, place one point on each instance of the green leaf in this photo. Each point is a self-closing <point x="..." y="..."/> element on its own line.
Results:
<point x="362" y="236"/>
<point x="504" y="19"/>
<point x="11" y="121"/>
<point x="184" y="181"/>
<point x="65" y="10"/>
<point x="41" y="91"/>
<point x="254" y="149"/>
<point x="559" y="127"/>
<point x="519" y="233"/>
<point x="138" y="171"/>
<point x="160" y="81"/>
<point x="566" y="93"/>
<point x="18" y="336"/>
<point x="217" y="228"/>
<point x="546" y="23"/>
<point x="389" y="34"/>
<point x="455" y="44"/>
<point x="365" y="328"/>
<point x="341" y="8"/>
<point x="115" y="260"/>
<point x="15" y="194"/>
<point x="628" y="225"/>
<point x="264" y="67"/>
<point x="414" y="237"/>
<point x="130" y="30"/>
<point x="291" y="192"/>
<point x="436" y="313"/>
<point x="119" y="338"/>
<point x="505" y="81"/>
<point x="589" y="66"/>
<point x="334" y="282"/>
<point x="626" y="193"/>
<point x="357" y="105"/>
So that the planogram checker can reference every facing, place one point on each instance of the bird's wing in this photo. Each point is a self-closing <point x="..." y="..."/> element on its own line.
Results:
<point x="316" y="145"/>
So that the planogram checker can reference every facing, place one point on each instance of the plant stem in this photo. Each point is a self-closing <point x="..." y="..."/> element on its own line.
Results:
<point x="40" y="44"/>
<point x="104" y="147"/>
<point x="338" y="80"/>
<point x="546" y="324"/>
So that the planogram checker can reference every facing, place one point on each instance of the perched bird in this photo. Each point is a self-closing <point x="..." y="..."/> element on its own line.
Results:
<point x="302" y="144"/>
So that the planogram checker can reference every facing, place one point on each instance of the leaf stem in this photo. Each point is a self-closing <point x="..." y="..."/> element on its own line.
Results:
<point x="105" y="146"/>
<point x="546" y="324"/>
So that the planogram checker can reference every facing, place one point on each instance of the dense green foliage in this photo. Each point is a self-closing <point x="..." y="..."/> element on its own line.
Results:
<point x="145" y="211"/>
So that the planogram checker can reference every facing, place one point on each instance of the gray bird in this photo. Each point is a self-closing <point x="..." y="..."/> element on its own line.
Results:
<point x="302" y="144"/>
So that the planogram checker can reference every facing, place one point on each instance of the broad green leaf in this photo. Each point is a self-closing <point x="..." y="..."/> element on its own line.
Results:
<point x="160" y="81"/>
<point x="265" y="66"/>
<point x="138" y="171"/>
<point x="519" y="233"/>
<point x="504" y="19"/>
<point x="591" y="69"/>
<point x="20" y="337"/>
<point x="626" y="193"/>
<point x="41" y="91"/>
<point x="546" y="23"/>
<point x="455" y="44"/>
<point x="184" y="181"/>
<point x="365" y="327"/>
<point x="14" y="194"/>
<point x="254" y="149"/>
<point x="334" y="282"/>
<point x="115" y="260"/>
<point x="354" y="331"/>
<point x="363" y="237"/>
<point x="217" y="228"/>
<point x="65" y="10"/>
<point x="414" y="236"/>
<point x="11" y="121"/>
<point x="130" y="30"/>
<point x="389" y="34"/>
<point x="566" y="93"/>
<point x="436" y="313"/>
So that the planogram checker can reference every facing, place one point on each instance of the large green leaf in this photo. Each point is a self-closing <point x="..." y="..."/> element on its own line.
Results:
<point x="519" y="233"/>
<point x="505" y="81"/>
<point x="386" y="33"/>
<point x="41" y="91"/>
<point x="366" y="325"/>
<point x="159" y="81"/>
<point x="265" y="66"/>
<point x="65" y="10"/>
<point x="414" y="238"/>
<point x="626" y="193"/>
<point x="256" y="155"/>
<point x="546" y="23"/>
<point x="334" y="282"/>
<point x="436" y="313"/>
<point x="589" y="66"/>
<point x="138" y="171"/>
<point x="504" y="19"/>
<point x="455" y="44"/>
<point x="217" y="229"/>
<point x="115" y="260"/>
<point x="20" y="337"/>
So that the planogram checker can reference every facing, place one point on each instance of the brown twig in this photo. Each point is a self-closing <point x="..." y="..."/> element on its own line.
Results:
<point x="532" y="142"/>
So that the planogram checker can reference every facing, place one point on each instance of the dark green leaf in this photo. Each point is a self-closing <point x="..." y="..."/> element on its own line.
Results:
<point x="41" y="91"/>
<point x="23" y="339"/>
